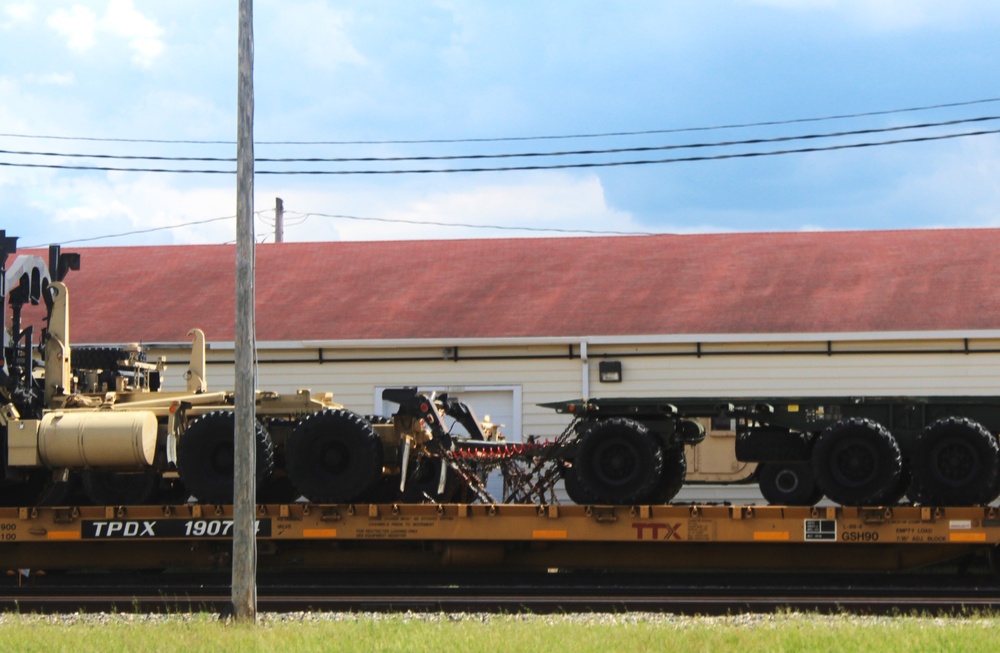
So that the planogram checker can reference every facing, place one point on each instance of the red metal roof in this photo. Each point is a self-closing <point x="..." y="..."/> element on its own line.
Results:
<point x="760" y="283"/>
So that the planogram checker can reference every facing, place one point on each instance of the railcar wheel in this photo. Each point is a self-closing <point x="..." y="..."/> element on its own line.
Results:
<point x="205" y="456"/>
<point x="619" y="461"/>
<point x="856" y="462"/>
<point x="334" y="456"/>
<point x="672" y="477"/>
<point x="788" y="484"/>
<point x="955" y="463"/>
<point x="121" y="489"/>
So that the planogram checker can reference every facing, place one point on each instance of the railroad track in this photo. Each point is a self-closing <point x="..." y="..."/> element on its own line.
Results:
<point x="551" y="593"/>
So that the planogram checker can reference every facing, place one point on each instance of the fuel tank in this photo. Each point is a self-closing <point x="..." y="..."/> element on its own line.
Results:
<point x="100" y="440"/>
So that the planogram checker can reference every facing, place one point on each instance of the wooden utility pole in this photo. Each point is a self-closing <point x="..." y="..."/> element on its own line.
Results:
<point x="245" y="451"/>
<point x="279" y="220"/>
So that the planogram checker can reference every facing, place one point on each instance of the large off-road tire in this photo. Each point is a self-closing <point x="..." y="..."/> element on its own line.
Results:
<point x="856" y="462"/>
<point x="205" y="456"/>
<point x="121" y="489"/>
<point x="955" y="463"/>
<point x="575" y="489"/>
<point x="788" y="484"/>
<point x="334" y="456"/>
<point x="672" y="477"/>
<point x="619" y="461"/>
<point x="896" y="493"/>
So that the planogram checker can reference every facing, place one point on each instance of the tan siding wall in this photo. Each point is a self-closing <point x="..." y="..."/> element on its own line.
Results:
<point x="806" y="375"/>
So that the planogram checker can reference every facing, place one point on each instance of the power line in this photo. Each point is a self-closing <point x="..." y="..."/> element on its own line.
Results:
<point x="562" y="166"/>
<point x="138" y="231"/>
<point x="302" y="217"/>
<point x="474" y="226"/>
<point x="767" y="123"/>
<point x="676" y="130"/>
<point x="456" y="157"/>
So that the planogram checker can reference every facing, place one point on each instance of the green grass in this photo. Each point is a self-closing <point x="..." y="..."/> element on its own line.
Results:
<point x="443" y="633"/>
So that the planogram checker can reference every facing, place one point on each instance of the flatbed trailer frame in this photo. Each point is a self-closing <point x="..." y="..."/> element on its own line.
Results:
<point x="303" y="536"/>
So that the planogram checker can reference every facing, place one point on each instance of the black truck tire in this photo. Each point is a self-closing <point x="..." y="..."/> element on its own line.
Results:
<point x="619" y="461"/>
<point x="955" y="463"/>
<point x="575" y="489"/>
<point x="788" y="484"/>
<point x="334" y="456"/>
<point x="205" y="456"/>
<point x="856" y="462"/>
<point x="672" y="477"/>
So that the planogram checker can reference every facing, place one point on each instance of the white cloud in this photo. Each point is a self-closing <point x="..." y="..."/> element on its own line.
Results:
<point x="81" y="28"/>
<point x="17" y="13"/>
<point x="553" y="201"/>
<point x="124" y="202"/>
<point x="51" y="79"/>
<point x="143" y="34"/>
<point x="316" y="31"/>
<point x="77" y="25"/>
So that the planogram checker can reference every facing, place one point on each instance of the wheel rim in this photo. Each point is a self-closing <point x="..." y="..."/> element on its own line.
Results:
<point x="334" y="458"/>
<point x="617" y="463"/>
<point x="786" y="481"/>
<point x="222" y="459"/>
<point x="854" y="463"/>
<point x="955" y="462"/>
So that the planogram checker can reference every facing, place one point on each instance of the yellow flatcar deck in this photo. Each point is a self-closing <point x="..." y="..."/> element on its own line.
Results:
<point x="517" y="536"/>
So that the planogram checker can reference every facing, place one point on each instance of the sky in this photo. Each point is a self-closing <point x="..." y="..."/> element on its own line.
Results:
<point x="365" y="79"/>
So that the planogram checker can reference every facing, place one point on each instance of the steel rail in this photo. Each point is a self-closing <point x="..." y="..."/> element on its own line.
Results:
<point x="679" y="594"/>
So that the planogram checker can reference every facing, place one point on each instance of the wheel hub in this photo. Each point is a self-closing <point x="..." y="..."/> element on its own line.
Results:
<point x="617" y="464"/>
<point x="854" y="463"/>
<point x="955" y="462"/>
<point x="334" y="458"/>
<point x="786" y="481"/>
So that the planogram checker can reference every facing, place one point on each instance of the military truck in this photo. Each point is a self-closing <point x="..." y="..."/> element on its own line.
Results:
<point x="95" y="421"/>
<point x="856" y="451"/>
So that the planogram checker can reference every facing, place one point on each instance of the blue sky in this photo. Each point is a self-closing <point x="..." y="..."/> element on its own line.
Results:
<point x="403" y="70"/>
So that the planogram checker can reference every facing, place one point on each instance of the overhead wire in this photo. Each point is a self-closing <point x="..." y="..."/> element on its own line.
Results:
<point x="511" y="155"/>
<point x="299" y="217"/>
<point x="138" y="231"/>
<point x="675" y="130"/>
<point x="556" y="166"/>
<point x="474" y="226"/>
